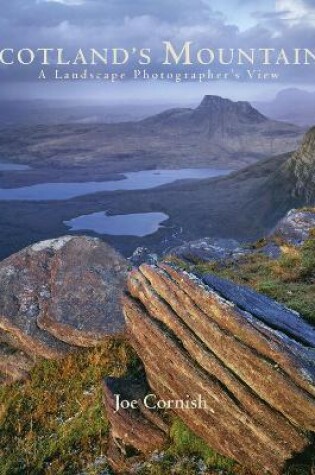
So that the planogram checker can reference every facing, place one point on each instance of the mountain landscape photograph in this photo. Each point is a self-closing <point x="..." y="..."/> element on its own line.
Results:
<point x="157" y="239"/>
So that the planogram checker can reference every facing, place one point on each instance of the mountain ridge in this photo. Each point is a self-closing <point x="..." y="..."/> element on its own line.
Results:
<point x="219" y="132"/>
<point x="302" y="166"/>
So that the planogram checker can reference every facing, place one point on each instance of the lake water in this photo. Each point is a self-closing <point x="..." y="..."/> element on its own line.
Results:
<point x="141" y="224"/>
<point x="141" y="180"/>
<point x="7" y="167"/>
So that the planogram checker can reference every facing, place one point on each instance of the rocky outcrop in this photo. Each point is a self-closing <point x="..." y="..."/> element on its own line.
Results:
<point x="209" y="249"/>
<point x="142" y="255"/>
<point x="302" y="168"/>
<point x="250" y="359"/>
<point x="133" y="430"/>
<point x="296" y="226"/>
<point x="56" y="296"/>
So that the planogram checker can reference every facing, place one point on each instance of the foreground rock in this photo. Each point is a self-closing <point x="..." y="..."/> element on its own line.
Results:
<point x="58" y="295"/>
<point x="250" y="359"/>
<point x="133" y="431"/>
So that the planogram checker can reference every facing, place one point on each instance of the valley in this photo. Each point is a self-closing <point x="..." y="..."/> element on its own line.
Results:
<point x="218" y="170"/>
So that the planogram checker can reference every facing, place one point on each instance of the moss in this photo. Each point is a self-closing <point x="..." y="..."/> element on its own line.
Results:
<point x="185" y="442"/>
<point x="55" y="423"/>
<point x="290" y="279"/>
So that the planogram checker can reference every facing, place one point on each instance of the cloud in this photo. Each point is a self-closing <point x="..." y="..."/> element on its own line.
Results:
<point x="74" y="24"/>
<point x="64" y="2"/>
<point x="295" y="11"/>
<point x="96" y="12"/>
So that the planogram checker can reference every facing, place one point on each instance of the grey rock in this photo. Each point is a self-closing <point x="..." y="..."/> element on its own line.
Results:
<point x="209" y="249"/>
<point x="269" y="311"/>
<point x="142" y="255"/>
<point x="295" y="227"/>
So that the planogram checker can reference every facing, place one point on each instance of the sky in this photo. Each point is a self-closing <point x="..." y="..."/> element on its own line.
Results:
<point x="74" y="24"/>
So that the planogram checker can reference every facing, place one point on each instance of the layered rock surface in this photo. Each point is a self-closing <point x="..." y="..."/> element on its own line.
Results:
<point x="56" y="296"/>
<point x="251" y="359"/>
<point x="132" y="430"/>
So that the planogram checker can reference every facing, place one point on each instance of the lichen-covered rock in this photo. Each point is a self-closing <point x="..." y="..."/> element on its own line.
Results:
<point x="87" y="282"/>
<point x="58" y="295"/>
<point x="198" y="338"/>
<point x="68" y="287"/>
<point x="24" y="287"/>
<point x="209" y="249"/>
<point x="296" y="226"/>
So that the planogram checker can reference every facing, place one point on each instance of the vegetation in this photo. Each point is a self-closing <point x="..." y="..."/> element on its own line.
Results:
<point x="290" y="279"/>
<point x="55" y="423"/>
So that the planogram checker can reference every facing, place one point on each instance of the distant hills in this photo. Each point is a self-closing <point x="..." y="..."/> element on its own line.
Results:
<point x="269" y="178"/>
<point x="214" y="113"/>
<point x="53" y="112"/>
<point x="291" y="105"/>
<point x="219" y="133"/>
<point x="245" y="205"/>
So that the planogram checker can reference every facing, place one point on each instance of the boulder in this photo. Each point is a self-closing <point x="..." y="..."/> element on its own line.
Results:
<point x="24" y="288"/>
<point x="250" y="359"/>
<point x="58" y="295"/>
<point x="209" y="249"/>
<point x="87" y="282"/>
<point x="296" y="226"/>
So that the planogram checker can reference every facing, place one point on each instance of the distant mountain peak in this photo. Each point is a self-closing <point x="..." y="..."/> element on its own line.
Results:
<point x="302" y="167"/>
<point x="210" y="100"/>
<point x="228" y="110"/>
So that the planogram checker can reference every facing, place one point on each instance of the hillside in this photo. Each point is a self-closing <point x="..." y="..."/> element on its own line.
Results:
<point x="245" y="205"/>
<point x="301" y="169"/>
<point x="54" y="423"/>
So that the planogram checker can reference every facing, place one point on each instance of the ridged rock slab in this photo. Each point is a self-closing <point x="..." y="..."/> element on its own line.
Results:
<point x="212" y="339"/>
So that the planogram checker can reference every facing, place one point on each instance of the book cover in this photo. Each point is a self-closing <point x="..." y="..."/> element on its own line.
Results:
<point x="157" y="225"/>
